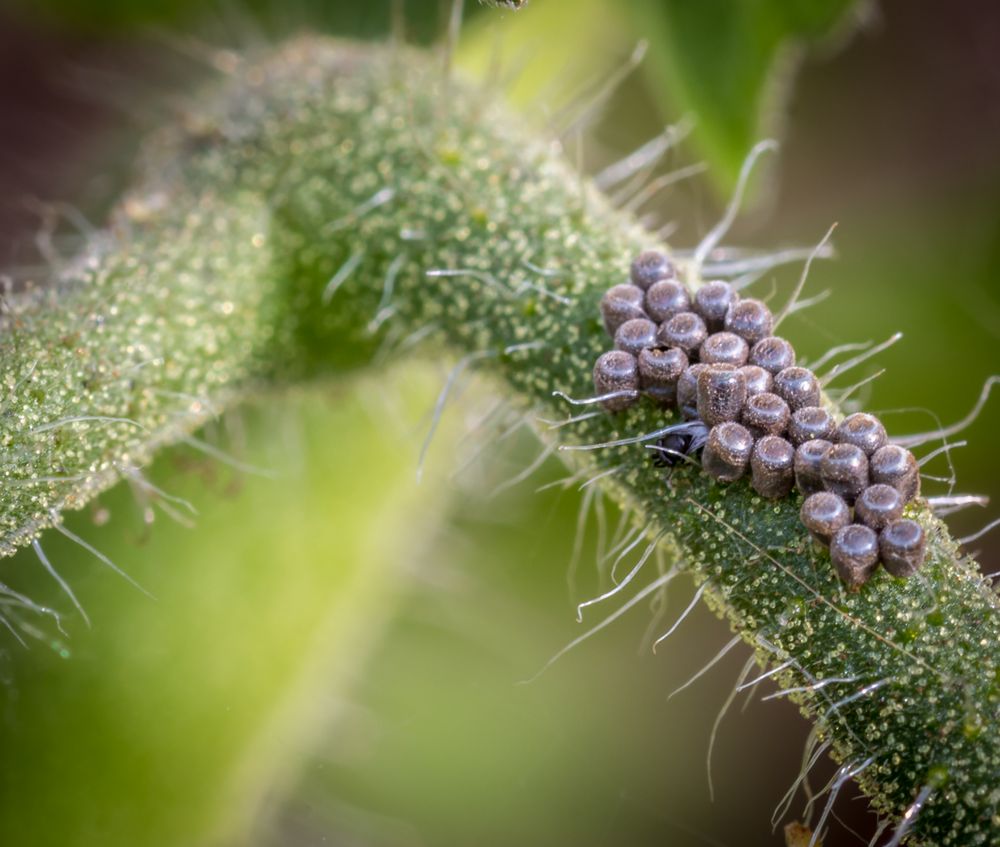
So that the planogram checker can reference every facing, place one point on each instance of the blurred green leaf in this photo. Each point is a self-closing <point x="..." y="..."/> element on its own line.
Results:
<point x="551" y="54"/>
<point x="729" y="63"/>
<point x="173" y="720"/>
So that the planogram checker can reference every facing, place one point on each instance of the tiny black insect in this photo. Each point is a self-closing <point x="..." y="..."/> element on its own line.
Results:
<point x="682" y="441"/>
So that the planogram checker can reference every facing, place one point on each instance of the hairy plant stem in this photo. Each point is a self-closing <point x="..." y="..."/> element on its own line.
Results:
<point x="325" y="181"/>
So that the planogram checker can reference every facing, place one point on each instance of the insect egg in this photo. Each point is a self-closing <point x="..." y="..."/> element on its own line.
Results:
<point x="758" y="380"/>
<point x="632" y="336"/>
<point x="808" y="464"/>
<point x="617" y="371"/>
<point x="727" y="452"/>
<point x="844" y="469"/>
<point x="810" y="423"/>
<point x="722" y="391"/>
<point x="687" y="391"/>
<point x="765" y="414"/>
<point x="665" y="299"/>
<point x="659" y="370"/>
<point x="749" y="407"/>
<point x="771" y="467"/>
<point x="712" y="301"/>
<point x="823" y="514"/>
<point x="902" y="545"/>
<point x="797" y="387"/>
<point x="621" y="303"/>
<point x="862" y="430"/>
<point x="749" y="319"/>
<point x="651" y="266"/>
<point x="854" y="550"/>
<point x="879" y="505"/>
<point x="773" y="354"/>
<point x="896" y="466"/>
<point x="686" y="331"/>
<point x="723" y="348"/>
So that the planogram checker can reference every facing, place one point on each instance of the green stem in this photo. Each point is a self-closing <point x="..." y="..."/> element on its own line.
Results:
<point x="257" y="246"/>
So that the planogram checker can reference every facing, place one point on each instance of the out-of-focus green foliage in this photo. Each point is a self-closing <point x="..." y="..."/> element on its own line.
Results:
<point x="550" y="54"/>
<point x="451" y="747"/>
<point x="175" y="720"/>
<point x="82" y="733"/>
<point x="730" y="65"/>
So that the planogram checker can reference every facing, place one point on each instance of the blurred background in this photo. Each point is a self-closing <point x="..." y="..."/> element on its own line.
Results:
<point x="333" y="653"/>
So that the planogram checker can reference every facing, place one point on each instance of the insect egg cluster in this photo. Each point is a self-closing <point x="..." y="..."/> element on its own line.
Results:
<point x="751" y="410"/>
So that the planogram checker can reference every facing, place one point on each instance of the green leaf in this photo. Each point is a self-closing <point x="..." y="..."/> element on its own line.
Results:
<point x="730" y="65"/>
<point x="169" y="721"/>
<point x="551" y="54"/>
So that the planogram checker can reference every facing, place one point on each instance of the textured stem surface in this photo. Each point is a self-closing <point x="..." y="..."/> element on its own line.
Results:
<point x="325" y="184"/>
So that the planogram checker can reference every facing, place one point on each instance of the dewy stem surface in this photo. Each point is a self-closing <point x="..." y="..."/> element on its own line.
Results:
<point x="323" y="184"/>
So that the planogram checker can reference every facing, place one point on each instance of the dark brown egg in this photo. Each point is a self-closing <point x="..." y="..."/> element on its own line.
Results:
<point x="896" y="466"/>
<point x="823" y="513"/>
<point x="712" y="301"/>
<point x="854" y="551"/>
<point x="621" y="303"/>
<point x="635" y="335"/>
<point x="727" y="452"/>
<point x="659" y="370"/>
<point x="722" y="391"/>
<point x="666" y="298"/>
<point x="617" y="372"/>
<point x="687" y="391"/>
<point x="879" y="505"/>
<point x="862" y="430"/>
<point x="651" y="266"/>
<point x="810" y="423"/>
<point x="750" y="319"/>
<point x="903" y="547"/>
<point x="798" y="387"/>
<point x="758" y="380"/>
<point x="723" y="348"/>
<point x="686" y="331"/>
<point x="845" y="471"/>
<point x="765" y="414"/>
<point x="773" y="354"/>
<point x="772" y="473"/>
<point x="808" y="465"/>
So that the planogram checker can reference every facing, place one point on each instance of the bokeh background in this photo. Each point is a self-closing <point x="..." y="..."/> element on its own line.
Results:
<point x="333" y="653"/>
